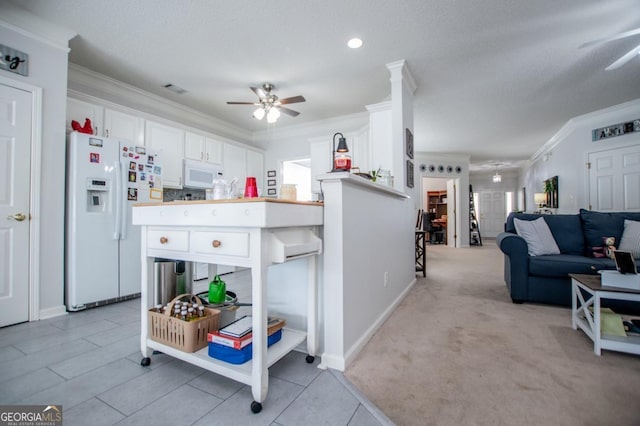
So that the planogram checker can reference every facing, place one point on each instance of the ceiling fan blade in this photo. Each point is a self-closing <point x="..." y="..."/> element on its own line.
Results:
<point x="242" y="103"/>
<point x="291" y="100"/>
<point x="612" y="38"/>
<point x="288" y="111"/>
<point x="259" y="92"/>
<point x="624" y="59"/>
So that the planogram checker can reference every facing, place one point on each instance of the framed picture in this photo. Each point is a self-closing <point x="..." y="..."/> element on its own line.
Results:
<point x="271" y="173"/>
<point x="410" y="173"/>
<point x="271" y="182"/>
<point x="409" y="142"/>
<point x="271" y="191"/>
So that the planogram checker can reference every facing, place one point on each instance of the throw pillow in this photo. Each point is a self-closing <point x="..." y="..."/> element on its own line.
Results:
<point x="538" y="236"/>
<point x="631" y="238"/>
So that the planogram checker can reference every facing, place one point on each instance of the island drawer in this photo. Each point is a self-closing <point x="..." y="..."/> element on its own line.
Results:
<point x="223" y="243"/>
<point x="168" y="240"/>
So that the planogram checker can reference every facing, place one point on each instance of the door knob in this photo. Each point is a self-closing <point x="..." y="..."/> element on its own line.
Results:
<point x="18" y="216"/>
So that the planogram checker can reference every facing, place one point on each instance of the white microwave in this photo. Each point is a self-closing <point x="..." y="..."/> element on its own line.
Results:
<point x="198" y="174"/>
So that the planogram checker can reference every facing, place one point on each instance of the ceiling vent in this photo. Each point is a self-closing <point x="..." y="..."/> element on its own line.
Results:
<point x="177" y="89"/>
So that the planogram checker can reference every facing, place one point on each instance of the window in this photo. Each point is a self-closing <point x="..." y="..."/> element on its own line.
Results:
<point x="298" y="172"/>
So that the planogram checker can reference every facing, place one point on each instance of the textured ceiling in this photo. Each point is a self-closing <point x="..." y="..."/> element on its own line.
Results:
<point x="496" y="78"/>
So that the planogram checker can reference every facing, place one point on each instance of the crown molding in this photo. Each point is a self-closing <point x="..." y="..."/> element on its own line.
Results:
<point x="24" y="22"/>
<point x="379" y="107"/>
<point x="348" y="123"/>
<point x="83" y="80"/>
<point x="399" y="69"/>
<point x="575" y="123"/>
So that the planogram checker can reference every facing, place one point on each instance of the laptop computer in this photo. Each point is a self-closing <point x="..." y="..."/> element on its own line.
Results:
<point x="625" y="264"/>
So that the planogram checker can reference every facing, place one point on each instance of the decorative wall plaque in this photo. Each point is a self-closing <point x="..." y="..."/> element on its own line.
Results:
<point x="14" y="60"/>
<point x="615" y="130"/>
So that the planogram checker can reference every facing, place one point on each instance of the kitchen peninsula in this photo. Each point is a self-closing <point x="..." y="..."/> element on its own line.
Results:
<point x="254" y="233"/>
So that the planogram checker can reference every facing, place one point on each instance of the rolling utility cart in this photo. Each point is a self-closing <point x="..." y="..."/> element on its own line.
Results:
<point x="253" y="233"/>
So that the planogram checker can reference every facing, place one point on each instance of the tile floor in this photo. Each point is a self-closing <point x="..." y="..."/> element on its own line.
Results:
<point x="89" y="362"/>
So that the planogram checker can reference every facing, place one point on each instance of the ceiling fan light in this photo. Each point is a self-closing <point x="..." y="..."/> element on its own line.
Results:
<point x="497" y="178"/>
<point x="258" y="113"/>
<point x="273" y="115"/>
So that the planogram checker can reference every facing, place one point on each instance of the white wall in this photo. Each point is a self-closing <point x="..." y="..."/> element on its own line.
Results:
<point x="47" y="70"/>
<point x="294" y="143"/>
<point x="356" y="297"/>
<point x="566" y="155"/>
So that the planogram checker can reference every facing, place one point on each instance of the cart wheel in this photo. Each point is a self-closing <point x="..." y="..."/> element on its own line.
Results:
<point x="310" y="359"/>
<point x="145" y="362"/>
<point x="256" y="407"/>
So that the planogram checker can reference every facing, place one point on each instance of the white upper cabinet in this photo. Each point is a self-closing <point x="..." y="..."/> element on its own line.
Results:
<point x="212" y="151"/>
<point x="235" y="165"/>
<point x="80" y="111"/>
<point x="194" y="146"/>
<point x="203" y="148"/>
<point x="255" y="168"/>
<point x="240" y="163"/>
<point x="123" y="126"/>
<point x="168" y="143"/>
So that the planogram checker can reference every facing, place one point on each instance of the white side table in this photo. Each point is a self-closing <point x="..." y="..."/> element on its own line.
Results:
<point x="589" y="320"/>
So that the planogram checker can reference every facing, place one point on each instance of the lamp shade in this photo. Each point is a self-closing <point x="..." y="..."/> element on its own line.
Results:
<point x="273" y="115"/>
<point x="540" y="198"/>
<point x="341" y="162"/>
<point x="342" y="145"/>
<point x="259" y="113"/>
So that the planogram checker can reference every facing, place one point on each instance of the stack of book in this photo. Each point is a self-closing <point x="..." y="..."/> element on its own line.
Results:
<point x="232" y="343"/>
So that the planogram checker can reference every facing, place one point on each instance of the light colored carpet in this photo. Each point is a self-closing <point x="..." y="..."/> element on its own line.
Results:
<point x="458" y="352"/>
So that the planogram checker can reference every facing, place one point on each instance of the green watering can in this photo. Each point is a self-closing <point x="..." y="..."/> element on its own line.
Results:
<point x="217" y="290"/>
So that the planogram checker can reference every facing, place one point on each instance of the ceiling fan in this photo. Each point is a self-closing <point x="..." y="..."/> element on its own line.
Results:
<point x="633" y="53"/>
<point x="269" y="104"/>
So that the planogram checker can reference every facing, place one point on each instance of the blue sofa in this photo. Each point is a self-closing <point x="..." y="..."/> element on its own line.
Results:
<point x="545" y="279"/>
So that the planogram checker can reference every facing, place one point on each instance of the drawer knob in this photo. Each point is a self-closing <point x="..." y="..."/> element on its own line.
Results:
<point x="164" y="240"/>
<point x="216" y="243"/>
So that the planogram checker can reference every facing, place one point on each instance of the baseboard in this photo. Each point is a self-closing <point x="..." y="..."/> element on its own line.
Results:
<point x="56" y="311"/>
<point x="340" y="363"/>
<point x="362" y="341"/>
<point x="332" y="361"/>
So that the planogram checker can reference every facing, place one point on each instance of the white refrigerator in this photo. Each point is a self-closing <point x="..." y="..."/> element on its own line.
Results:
<point x="105" y="177"/>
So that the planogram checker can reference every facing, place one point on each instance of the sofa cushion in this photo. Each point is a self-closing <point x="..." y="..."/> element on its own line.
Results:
<point x="566" y="230"/>
<point x="631" y="238"/>
<point x="597" y="225"/>
<point x="537" y="235"/>
<point x="561" y="265"/>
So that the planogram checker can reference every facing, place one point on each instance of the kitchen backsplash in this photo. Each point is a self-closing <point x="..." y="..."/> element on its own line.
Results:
<point x="170" y="194"/>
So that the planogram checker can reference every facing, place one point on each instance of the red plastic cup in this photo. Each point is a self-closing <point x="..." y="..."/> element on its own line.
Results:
<point x="251" y="188"/>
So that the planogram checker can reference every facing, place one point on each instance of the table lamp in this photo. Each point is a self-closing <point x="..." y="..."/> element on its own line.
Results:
<point x="540" y="198"/>
<point x="342" y="161"/>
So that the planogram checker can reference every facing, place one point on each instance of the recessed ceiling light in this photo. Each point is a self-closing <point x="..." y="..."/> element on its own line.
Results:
<point x="355" y="43"/>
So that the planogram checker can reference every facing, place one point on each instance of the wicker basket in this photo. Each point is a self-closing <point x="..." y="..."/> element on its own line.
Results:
<point x="187" y="336"/>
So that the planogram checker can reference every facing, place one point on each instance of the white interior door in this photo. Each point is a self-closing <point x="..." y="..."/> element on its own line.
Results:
<point x="614" y="179"/>
<point x="492" y="213"/>
<point x="15" y="160"/>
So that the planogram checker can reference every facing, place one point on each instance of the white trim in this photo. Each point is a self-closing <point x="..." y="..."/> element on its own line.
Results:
<point x="91" y="83"/>
<point x="34" y="27"/>
<point x="574" y="123"/>
<point x="405" y="75"/>
<point x="55" y="311"/>
<point x="346" y="123"/>
<point x="340" y="363"/>
<point x="34" y="199"/>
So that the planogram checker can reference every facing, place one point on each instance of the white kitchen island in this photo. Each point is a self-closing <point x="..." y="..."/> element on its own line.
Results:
<point x="253" y="233"/>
